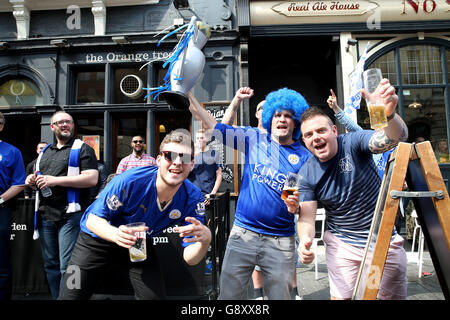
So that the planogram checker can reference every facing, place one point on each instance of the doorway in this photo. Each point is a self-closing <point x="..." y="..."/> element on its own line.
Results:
<point x="305" y="64"/>
<point x="24" y="132"/>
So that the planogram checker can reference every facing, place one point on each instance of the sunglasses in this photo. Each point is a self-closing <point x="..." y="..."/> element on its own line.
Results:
<point x="138" y="141"/>
<point x="170" y="156"/>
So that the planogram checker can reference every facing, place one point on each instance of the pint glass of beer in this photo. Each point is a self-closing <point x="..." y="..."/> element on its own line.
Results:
<point x="375" y="104"/>
<point x="291" y="184"/>
<point x="138" y="252"/>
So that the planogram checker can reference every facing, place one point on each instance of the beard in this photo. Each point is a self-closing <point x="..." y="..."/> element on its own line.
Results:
<point x="64" y="136"/>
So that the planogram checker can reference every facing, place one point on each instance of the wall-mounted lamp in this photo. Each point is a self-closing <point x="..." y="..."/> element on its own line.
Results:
<point x="415" y="105"/>
<point x="350" y="42"/>
<point x="59" y="43"/>
<point x="4" y="45"/>
<point x="120" y="40"/>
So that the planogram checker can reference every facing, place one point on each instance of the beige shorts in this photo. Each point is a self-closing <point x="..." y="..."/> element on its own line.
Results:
<point x="344" y="260"/>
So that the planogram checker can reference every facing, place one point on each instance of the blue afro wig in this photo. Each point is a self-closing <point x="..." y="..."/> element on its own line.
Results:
<point x="284" y="99"/>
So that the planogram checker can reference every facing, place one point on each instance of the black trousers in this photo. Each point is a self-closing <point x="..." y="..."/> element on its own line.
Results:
<point x="91" y="258"/>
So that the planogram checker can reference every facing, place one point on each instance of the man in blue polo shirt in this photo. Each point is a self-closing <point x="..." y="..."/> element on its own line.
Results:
<point x="12" y="181"/>
<point x="263" y="231"/>
<point x="158" y="196"/>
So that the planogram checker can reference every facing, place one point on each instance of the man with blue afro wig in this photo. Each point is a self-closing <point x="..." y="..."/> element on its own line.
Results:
<point x="263" y="232"/>
<point x="284" y="99"/>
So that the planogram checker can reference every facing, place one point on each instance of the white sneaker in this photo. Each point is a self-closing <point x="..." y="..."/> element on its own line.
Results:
<point x="297" y="297"/>
<point x="259" y="298"/>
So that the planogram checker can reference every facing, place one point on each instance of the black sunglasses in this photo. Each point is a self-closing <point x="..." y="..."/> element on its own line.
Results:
<point x="138" y="141"/>
<point x="172" y="156"/>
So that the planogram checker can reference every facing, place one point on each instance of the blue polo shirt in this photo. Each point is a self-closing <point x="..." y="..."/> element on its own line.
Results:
<point x="132" y="197"/>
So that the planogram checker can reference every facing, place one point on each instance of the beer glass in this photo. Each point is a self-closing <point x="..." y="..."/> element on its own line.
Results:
<point x="138" y="252"/>
<point x="375" y="104"/>
<point x="291" y="184"/>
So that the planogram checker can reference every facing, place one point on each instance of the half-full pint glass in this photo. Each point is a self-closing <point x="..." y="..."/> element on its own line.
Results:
<point x="291" y="185"/>
<point x="375" y="104"/>
<point x="138" y="252"/>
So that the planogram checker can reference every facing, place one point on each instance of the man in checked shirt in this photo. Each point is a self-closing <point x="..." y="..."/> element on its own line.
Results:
<point x="137" y="158"/>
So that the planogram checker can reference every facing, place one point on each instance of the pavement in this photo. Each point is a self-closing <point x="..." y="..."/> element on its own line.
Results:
<point x="425" y="287"/>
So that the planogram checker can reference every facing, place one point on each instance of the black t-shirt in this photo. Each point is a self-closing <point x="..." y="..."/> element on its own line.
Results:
<point x="55" y="162"/>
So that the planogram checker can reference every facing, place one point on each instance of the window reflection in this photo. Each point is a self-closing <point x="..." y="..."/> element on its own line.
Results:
<point x="422" y="89"/>
<point x="90" y="87"/>
<point x="388" y="66"/>
<point x="90" y="129"/>
<point x="421" y="65"/>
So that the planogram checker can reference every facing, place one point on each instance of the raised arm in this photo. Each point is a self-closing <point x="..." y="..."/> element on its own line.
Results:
<point x="340" y="115"/>
<point x="396" y="131"/>
<point x="200" y="113"/>
<point x="242" y="94"/>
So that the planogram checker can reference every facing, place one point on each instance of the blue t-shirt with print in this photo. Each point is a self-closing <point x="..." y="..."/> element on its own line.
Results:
<point x="132" y="197"/>
<point x="260" y="207"/>
<point x="347" y="185"/>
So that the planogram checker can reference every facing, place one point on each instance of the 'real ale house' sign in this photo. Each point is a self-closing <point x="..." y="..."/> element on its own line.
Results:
<point x="324" y="8"/>
<point x="346" y="11"/>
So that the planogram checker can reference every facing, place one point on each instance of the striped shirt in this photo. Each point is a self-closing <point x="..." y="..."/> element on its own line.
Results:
<point x="347" y="186"/>
<point x="132" y="161"/>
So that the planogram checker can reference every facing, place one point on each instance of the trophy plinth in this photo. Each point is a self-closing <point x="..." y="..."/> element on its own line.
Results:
<point x="176" y="99"/>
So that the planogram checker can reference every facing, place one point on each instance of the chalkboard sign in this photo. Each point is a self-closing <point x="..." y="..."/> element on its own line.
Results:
<point x="230" y="170"/>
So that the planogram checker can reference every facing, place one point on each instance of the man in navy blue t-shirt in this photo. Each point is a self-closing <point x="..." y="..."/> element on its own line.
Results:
<point x="159" y="196"/>
<point x="263" y="231"/>
<point x="344" y="178"/>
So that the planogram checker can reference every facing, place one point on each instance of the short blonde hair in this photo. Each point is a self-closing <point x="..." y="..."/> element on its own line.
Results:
<point x="180" y="136"/>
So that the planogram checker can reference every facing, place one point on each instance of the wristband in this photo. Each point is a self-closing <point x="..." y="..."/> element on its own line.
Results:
<point x="1" y="200"/>
<point x="390" y="117"/>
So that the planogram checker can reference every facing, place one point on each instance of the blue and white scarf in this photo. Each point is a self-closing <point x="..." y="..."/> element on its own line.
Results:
<point x="73" y="194"/>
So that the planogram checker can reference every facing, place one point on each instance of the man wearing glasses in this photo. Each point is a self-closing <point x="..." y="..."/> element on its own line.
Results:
<point x="158" y="196"/>
<point x="60" y="213"/>
<point x="137" y="158"/>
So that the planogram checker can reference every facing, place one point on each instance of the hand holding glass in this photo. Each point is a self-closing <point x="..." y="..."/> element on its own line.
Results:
<point x="138" y="252"/>
<point x="291" y="184"/>
<point x="375" y="104"/>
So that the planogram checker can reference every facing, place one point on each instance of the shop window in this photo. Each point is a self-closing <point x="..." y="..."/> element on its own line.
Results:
<point x="90" y="129"/>
<point x="421" y="65"/>
<point x="448" y="64"/>
<point x="128" y="125"/>
<point x="128" y="84"/>
<point x="90" y="87"/>
<point x="388" y="66"/>
<point x="19" y="92"/>
<point x="422" y="90"/>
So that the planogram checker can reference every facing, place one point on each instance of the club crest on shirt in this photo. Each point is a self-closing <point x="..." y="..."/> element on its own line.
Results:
<point x="174" y="214"/>
<point x="345" y="165"/>
<point x="200" y="209"/>
<point x="293" y="158"/>
<point x="113" y="203"/>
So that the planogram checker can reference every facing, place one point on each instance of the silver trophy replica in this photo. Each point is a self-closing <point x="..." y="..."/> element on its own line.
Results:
<point x="185" y="65"/>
